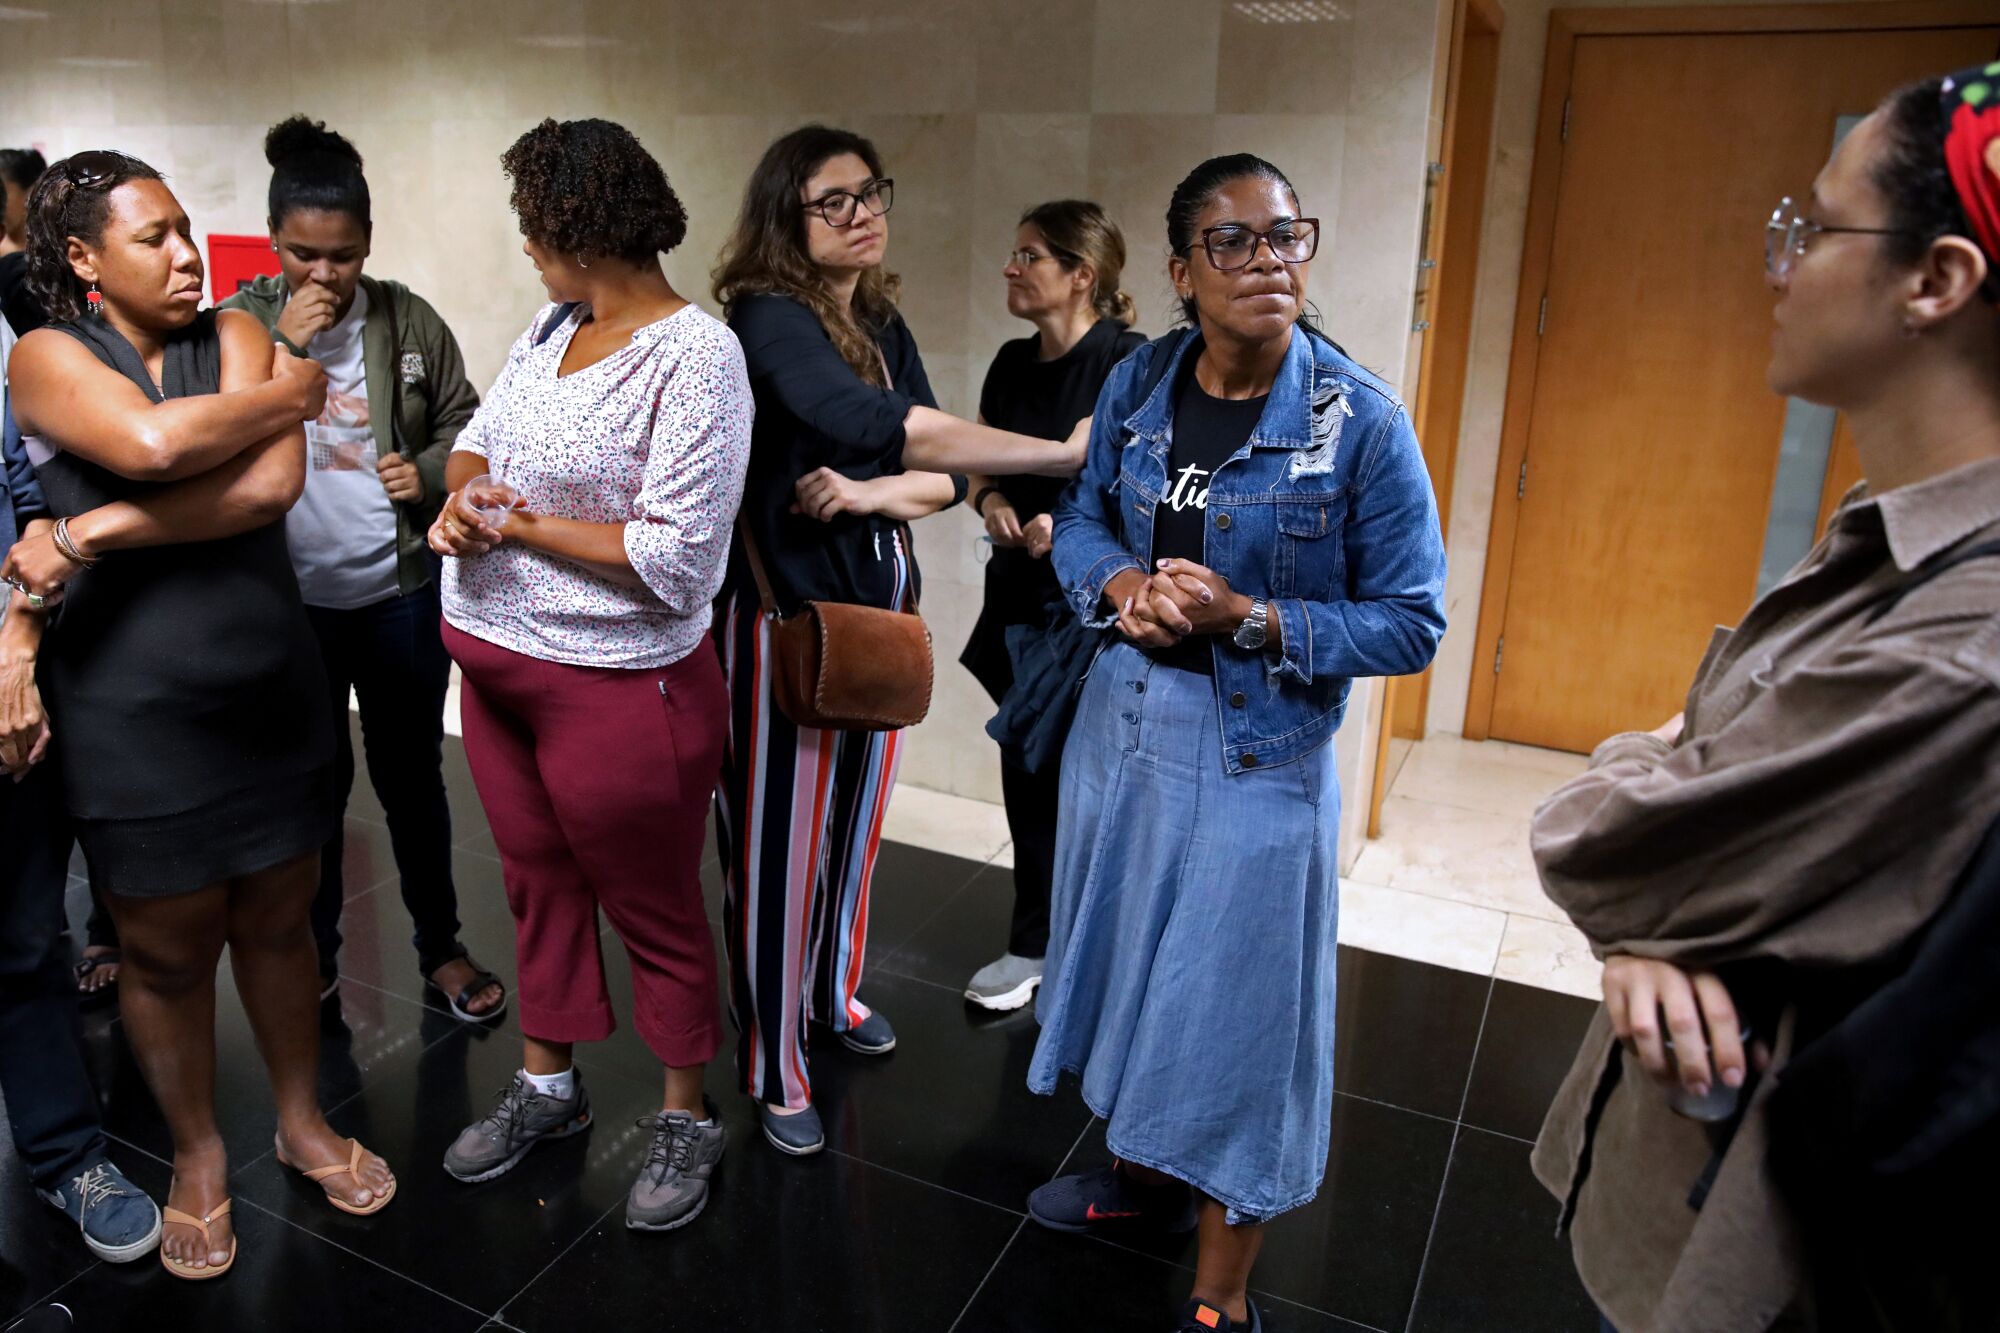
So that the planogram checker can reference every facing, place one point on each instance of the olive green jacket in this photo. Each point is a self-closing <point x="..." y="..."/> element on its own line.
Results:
<point x="421" y="389"/>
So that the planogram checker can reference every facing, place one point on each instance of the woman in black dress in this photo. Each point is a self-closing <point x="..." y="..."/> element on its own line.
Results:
<point x="182" y="684"/>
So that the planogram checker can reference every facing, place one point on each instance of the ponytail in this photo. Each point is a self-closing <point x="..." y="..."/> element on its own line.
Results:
<point x="1079" y="232"/>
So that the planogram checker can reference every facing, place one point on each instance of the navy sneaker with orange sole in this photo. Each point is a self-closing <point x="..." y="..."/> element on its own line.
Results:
<point x="1108" y="1198"/>
<point x="1201" y="1317"/>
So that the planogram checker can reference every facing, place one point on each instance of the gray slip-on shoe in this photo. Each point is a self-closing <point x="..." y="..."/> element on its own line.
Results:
<point x="799" y="1135"/>
<point x="1008" y="982"/>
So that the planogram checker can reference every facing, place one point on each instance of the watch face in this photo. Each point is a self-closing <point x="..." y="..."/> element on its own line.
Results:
<point x="1253" y="631"/>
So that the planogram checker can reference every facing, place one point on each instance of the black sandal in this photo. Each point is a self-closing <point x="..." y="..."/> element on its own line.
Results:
<point x="85" y="966"/>
<point x="459" y="1003"/>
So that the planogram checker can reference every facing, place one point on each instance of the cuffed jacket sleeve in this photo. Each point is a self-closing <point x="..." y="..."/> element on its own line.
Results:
<point x="1766" y="836"/>
<point x="1089" y="545"/>
<point x="1394" y="616"/>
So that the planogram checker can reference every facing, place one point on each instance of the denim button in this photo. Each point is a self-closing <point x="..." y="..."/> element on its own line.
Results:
<point x="1222" y="522"/>
<point x="1249" y="761"/>
<point x="1237" y="700"/>
<point x="1138" y="687"/>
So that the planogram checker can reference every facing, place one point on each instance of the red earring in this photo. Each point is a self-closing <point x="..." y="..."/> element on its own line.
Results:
<point x="95" y="299"/>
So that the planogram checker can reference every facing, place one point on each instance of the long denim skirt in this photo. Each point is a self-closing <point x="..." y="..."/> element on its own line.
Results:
<point x="1190" y="971"/>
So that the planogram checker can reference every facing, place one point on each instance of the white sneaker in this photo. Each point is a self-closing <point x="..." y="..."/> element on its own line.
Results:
<point x="1008" y="982"/>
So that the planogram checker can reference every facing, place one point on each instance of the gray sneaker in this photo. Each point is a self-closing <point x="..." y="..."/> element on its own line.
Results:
<point x="1008" y="982"/>
<point x="672" y="1187"/>
<point x="521" y="1119"/>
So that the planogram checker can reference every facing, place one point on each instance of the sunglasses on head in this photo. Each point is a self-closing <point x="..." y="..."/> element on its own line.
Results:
<point x="93" y="168"/>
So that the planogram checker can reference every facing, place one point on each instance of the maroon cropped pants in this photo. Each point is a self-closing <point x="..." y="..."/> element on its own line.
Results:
<point x="597" y="782"/>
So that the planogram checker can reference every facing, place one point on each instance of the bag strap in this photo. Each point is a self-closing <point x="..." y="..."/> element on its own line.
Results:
<point x="1926" y="572"/>
<point x="750" y="552"/>
<point x="756" y="565"/>
<point x="555" y="321"/>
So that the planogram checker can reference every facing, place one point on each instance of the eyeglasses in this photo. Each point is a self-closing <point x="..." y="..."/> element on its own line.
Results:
<point x="1029" y="258"/>
<point x="1788" y="231"/>
<point x="1233" y="246"/>
<point x="92" y="168"/>
<point x="837" y="206"/>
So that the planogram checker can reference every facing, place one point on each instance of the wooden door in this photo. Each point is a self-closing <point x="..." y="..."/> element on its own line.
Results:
<point x="1652" y="442"/>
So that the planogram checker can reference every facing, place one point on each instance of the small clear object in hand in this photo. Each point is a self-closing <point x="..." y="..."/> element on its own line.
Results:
<point x="491" y="498"/>
<point x="1720" y="1103"/>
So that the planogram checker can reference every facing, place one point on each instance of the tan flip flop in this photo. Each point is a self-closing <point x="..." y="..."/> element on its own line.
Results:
<point x="188" y="1271"/>
<point x="351" y="1167"/>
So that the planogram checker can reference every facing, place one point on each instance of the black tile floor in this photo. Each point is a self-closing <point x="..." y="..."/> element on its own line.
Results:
<point x="913" y="1220"/>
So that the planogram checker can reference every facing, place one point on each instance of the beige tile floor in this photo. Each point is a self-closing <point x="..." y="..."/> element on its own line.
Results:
<point x="1451" y="879"/>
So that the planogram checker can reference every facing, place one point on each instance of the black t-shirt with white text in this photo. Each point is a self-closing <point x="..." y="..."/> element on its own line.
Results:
<point x="1206" y="432"/>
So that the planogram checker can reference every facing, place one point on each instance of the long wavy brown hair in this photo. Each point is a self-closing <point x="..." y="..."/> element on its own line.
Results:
<point x="767" y="253"/>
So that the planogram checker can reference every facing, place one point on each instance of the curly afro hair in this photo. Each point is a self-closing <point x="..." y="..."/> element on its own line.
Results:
<point x="587" y="187"/>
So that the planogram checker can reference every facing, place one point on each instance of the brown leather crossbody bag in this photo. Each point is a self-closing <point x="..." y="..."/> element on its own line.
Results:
<point x="839" y="666"/>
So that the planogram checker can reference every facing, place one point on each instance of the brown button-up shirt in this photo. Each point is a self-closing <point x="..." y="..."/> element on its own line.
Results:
<point x="1837" y="768"/>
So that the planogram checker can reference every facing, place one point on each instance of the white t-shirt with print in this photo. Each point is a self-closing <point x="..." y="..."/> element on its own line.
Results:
<point x="342" y="532"/>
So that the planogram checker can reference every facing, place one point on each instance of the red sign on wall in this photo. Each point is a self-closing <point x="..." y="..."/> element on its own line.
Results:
<point x="234" y="262"/>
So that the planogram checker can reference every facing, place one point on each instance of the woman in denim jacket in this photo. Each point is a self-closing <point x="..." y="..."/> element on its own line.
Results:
<point x="1255" y="519"/>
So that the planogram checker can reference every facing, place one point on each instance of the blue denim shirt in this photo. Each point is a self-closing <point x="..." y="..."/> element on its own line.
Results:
<point x="1326" y="511"/>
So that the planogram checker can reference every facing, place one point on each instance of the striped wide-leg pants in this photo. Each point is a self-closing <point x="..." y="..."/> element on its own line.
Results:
<point x="799" y="824"/>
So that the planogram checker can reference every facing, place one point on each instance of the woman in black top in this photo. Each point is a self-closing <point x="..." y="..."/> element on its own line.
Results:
<point x="184" y="692"/>
<point x="1062" y="277"/>
<point x="841" y="398"/>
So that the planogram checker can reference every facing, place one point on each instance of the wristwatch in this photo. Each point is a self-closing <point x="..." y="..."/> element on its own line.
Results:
<point x="1250" y="635"/>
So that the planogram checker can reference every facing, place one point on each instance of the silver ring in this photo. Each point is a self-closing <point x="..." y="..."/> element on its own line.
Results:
<point x="37" y="602"/>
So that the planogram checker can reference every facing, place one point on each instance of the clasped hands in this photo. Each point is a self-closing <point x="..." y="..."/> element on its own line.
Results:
<point x="1176" y="599"/>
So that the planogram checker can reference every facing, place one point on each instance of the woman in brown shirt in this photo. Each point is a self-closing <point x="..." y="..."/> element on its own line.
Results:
<point x="1833" y="770"/>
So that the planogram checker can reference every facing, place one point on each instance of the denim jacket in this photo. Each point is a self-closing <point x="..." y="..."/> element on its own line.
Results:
<point x="1326" y="512"/>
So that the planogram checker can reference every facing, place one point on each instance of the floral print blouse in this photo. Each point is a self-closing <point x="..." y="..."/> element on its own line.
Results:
<point x="655" y="436"/>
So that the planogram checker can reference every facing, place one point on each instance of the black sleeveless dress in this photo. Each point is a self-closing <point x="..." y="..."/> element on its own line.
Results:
<point x="184" y="689"/>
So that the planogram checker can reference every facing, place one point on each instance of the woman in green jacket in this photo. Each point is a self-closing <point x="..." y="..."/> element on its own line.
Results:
<point x="397" y="398"/>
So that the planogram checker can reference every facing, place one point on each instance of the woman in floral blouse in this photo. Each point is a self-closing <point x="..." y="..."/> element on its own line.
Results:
<point x="593" y="725"/>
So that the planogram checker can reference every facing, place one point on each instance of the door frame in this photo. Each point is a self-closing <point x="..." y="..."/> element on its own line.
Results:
<point x="1566" y="26"/>
<point x="1465" y="152"/>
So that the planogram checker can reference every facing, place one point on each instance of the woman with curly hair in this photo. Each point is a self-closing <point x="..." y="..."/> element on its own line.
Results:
<point x="848" y="439"/>
<point x="587" y="527"/>
<point x="397" y="398"/>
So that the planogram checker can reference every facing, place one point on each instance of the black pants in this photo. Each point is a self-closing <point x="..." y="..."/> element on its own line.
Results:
<point x="51" y="1107"/>
<point x="391" y="654"/>
<point x="1032" y="799"/>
